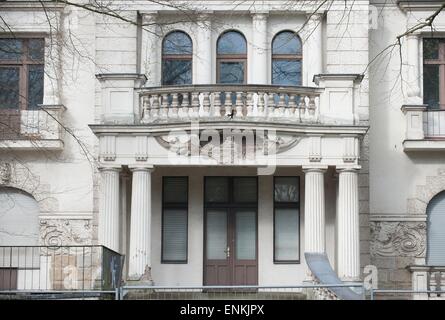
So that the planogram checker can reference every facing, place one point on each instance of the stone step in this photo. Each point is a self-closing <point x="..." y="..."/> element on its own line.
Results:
<point x="147" y="294"/>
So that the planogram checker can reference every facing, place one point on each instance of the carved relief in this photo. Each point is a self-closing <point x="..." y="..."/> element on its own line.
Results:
<point x="233" y="147"/>
<point x="5" y="173"/>
<point x="424" y="193"/>
<point x="65" y="232"/>
<point x="398" y="238"/>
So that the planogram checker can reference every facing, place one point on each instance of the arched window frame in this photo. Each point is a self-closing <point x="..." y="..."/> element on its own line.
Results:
<point x="286" y="57"/>
<point x="438" y="199"/>
<point x="221" y="57"/>
<point x="173" y="57"/>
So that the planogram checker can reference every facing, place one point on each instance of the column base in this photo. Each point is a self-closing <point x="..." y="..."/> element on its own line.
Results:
<point x="141" y="280"/>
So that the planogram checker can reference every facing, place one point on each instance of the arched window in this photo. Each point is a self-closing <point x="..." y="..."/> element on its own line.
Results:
<point x="177" y="52"/>
<point x="231" y="60"/>
<point x="436" y="231"/>
<point x="19" y="218"/>
<point x="286" y="59"/>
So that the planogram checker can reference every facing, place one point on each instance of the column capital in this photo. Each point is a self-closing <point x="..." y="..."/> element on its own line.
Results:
<point x="314" y="16"/>
<point x="104" y="167"/>
<point x="259" y="15"/>
<point x="319" y="168"/>
<point x="341" y="169"/>
<point x="148" y="168"/>
<point x="149" y="17"/>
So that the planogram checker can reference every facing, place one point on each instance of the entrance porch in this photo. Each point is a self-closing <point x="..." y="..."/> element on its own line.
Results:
<point x="227" y="225"/>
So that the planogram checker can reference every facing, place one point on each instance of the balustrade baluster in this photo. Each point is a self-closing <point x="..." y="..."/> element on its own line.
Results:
<point x="239" y="104"/>
<point x="173" y="111"/>
<point x="260" y="104"/>
<point x="291" y="106"/>
<point x="195" y="105"/>
<point x="155" y="107"/>
<point x="185" y="105"/>
<point x="164" y="106"/>
<point x="206" y="104"/>
<point x="270" y="105"/>
<point x="249" y="109"/>
<point x="228" y="103"/>
<point x="217" y="104"/>
<point x="279" y="111"/>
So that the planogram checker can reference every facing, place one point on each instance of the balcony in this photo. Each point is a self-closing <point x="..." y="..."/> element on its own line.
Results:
<point x="228" y="102"/>
<point x="425" y="129"/>
<point x="125" y="101"/>
<point x="32" y="129"/>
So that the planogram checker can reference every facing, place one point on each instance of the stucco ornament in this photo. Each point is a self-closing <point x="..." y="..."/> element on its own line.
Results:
<point x="398" y="239"/>
<point x="235" y="146"/>
<point x="5" y="173"/>
<point x="65" y="232"/>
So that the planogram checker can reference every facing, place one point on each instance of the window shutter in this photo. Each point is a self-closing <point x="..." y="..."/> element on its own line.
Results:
<point x="174" y="242"/>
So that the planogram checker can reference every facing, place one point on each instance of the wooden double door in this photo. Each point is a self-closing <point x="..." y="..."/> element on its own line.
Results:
<point x="230" y="231"/>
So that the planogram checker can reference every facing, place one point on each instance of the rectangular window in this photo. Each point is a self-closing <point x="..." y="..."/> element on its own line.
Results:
<point x="434" y="73"/>
<point x="174" y="219"/>
<point x="286" y="220"/>
<point x="21" y="73"/>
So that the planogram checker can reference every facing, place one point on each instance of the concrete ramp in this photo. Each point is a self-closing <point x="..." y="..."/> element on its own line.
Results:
<point x="321" y="269"/>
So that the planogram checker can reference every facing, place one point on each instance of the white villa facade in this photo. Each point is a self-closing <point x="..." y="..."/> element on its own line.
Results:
<point x="215" y="142"/>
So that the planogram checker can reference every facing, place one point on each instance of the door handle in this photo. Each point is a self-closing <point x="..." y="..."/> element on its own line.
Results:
<point x="227" y="252"/>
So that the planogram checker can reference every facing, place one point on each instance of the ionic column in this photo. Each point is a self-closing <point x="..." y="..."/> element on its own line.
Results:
<point x="312" y="38"/>
<point x="203" y="55"/>
<point x="140" y="225"/>
<point x="348" y="246"/>
<point x="413" y="69"/>
<point x="109" y="208"/>
<point x="260" y="60"/>
<point x="151" y="49"/>
<point x="314" y="210"/>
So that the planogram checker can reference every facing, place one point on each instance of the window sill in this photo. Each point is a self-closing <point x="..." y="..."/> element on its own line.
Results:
<point x="27" y="145"/>
<point x="424" y="145"/>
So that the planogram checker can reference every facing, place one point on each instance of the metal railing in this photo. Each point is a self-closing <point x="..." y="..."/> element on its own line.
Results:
<point x="56" y="270"/>
<point x="434" y="123"/>
<point x="277" y="292"/>
<point x="401" y="293"/>
<point x="36" y="124"/>
<point x="241" y="102"/>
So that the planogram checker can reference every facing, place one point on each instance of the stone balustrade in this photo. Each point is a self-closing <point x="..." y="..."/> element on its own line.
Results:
<point x="225" y="102"/>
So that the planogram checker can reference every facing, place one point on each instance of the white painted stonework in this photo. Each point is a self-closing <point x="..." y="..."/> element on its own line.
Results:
<point x="353" y="132"/>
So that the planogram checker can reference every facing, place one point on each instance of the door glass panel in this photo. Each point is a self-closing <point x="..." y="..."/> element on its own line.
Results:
<point x="216" y="235"/>
<point x="245" y="189"/>
<point x="286" y="189"/>
<point x="175" y="189"/>
<point x="245" y="235"/>
<point x="231" y="72"/>
<point x="217" y="189"/>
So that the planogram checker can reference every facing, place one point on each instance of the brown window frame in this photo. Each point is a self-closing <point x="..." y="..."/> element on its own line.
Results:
<point x="175" y="205"/>
<point x="170" y="57"/>
<point x="287" y="205"/>
<point x="23" y="65"/>
<point x="286" y="57"/>
<point x="441" y="62"/>
<point x="221" y="57"/>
